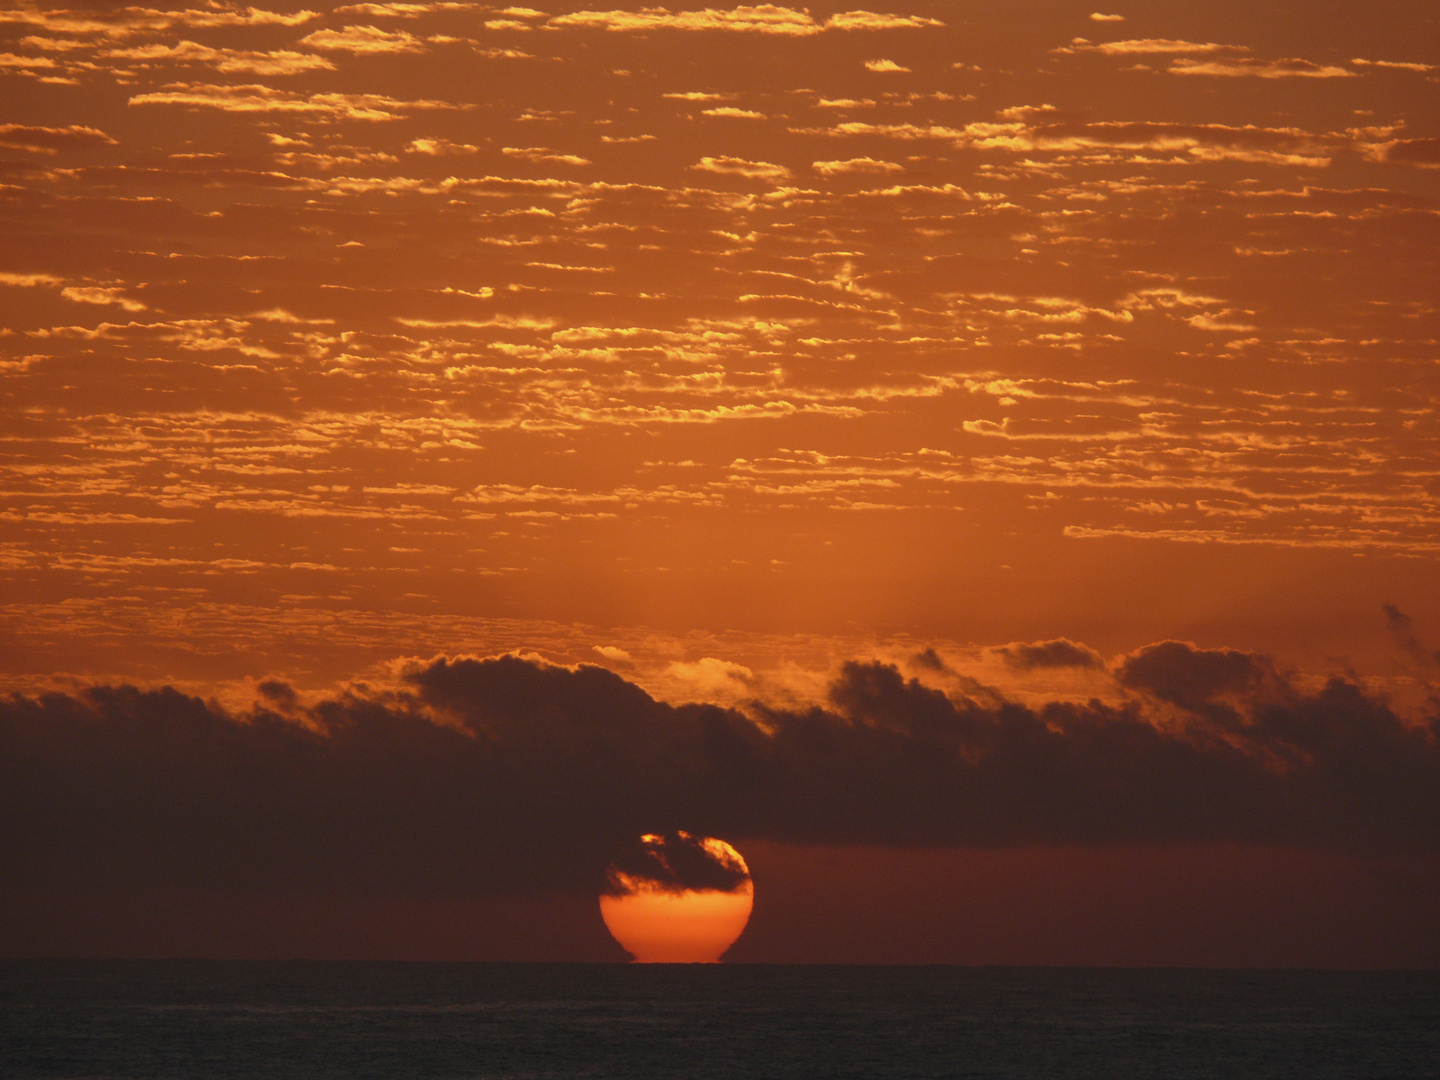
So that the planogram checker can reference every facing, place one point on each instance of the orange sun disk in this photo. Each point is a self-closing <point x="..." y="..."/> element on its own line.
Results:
<point x="690" y="927"/>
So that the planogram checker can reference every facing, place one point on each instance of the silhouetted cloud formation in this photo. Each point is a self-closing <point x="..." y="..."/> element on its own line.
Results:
<point x="930" y="660"/>
<point x="1057" y="653"/>
<point x="509" y="774"/>
<point x="1200" y="681"/>
<point x="1402" y="629"/>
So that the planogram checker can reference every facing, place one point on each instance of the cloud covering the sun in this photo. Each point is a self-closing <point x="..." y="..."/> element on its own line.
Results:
<point x="488" y="775"/>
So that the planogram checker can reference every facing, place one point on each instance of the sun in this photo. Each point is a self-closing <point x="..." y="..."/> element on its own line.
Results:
<point x="679" y="899"/>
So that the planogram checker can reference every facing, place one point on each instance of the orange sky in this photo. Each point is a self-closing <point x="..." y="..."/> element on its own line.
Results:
<point x="724" y="346"/>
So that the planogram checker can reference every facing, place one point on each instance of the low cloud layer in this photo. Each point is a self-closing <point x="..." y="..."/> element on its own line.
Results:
<point x="490" y="776"/>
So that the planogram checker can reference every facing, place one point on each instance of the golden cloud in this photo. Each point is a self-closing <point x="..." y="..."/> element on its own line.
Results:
<point x="1145" y="46"/>
<point x="731" y="111"/>
<point x="543" y="154"/>
<point x="254" y="97"/>
<point x="733" y="166"/>
<point x="51" y="140"/>
<point x="1240" y="67"/>
<point x="756" y="19"/>
<point x="364" y="40"/>
<point x="856" y="165"/>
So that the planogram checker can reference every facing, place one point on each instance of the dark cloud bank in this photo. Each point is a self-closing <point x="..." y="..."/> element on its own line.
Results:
<point x="506" y="775"/>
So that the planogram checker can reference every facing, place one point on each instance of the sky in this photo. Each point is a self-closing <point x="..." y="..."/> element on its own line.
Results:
<point x="980" y="460"/>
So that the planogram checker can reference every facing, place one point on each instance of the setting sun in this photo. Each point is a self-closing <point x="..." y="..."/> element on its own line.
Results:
<point x="678" y="928"/>
<point x="664" y="917"/>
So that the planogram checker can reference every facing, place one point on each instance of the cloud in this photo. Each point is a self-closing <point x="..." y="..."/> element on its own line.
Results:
<point x="478" y="776"/>
<point x="761" y="19"/>
<point x="856" y="165"/>
<point x="1058" y="653"/>
<point x="1402" y="629"/>
<point x="119" y="20"/>
<point x="437" y="147"/>
<point x="1205" y="142"/>
<point x="1203" y="321"/>
<point x="1395" y="64"/>
<point x="410" y="10"/>
<point x="733" y="166"/>
<point x="253" y="97"/>
<point x="282" y="62"/>
<point x="930" y="660"/>
<point x="1096" y="16"/>
<point x="749" y="19"/>
<point x="1241" y="67"/>
<point x="730" y="110"/>
<point x="1024" y="129"/>
<point x="11" y="60"/>
<point x="542" y="154"/>
<point x="51" y="140"/>
<point x="869" y="20"/>
<point x="364" y="40"/>
<point x="1233" y="66"/>
<point x="227" y="15"/>
<point x="1144" y="46"/>
<point x="29" y="280"/>
<point x="884" y="65"/>
<point x="1422" y="152"/>
<point x="674" y="862"/>
<point x="615" y="655"/>
<point x="94" y="294"/>
<point x="1180" y="673"/>
<point x="709" y="677"/>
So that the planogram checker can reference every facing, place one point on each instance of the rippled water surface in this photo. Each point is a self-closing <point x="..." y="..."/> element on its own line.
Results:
<point x="223" y="1019"/>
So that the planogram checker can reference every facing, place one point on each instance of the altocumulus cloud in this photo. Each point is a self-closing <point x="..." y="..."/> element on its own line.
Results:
<point x="506" y="774"/>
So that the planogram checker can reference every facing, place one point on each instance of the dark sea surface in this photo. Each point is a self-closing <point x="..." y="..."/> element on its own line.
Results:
<point x="99" y="1019"/>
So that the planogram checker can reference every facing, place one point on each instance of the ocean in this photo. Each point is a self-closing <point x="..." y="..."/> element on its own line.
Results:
<point x="218" y="1019"/>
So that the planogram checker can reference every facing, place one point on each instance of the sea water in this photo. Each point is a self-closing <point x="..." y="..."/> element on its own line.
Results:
<point x="220" y="1019"/>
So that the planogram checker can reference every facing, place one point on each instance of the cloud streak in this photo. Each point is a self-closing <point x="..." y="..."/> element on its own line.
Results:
<point x="257" y="98"/>
<point x="1260" y="69"/>
<point x="745" y="19"/>
<point x="51" y="140"/>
